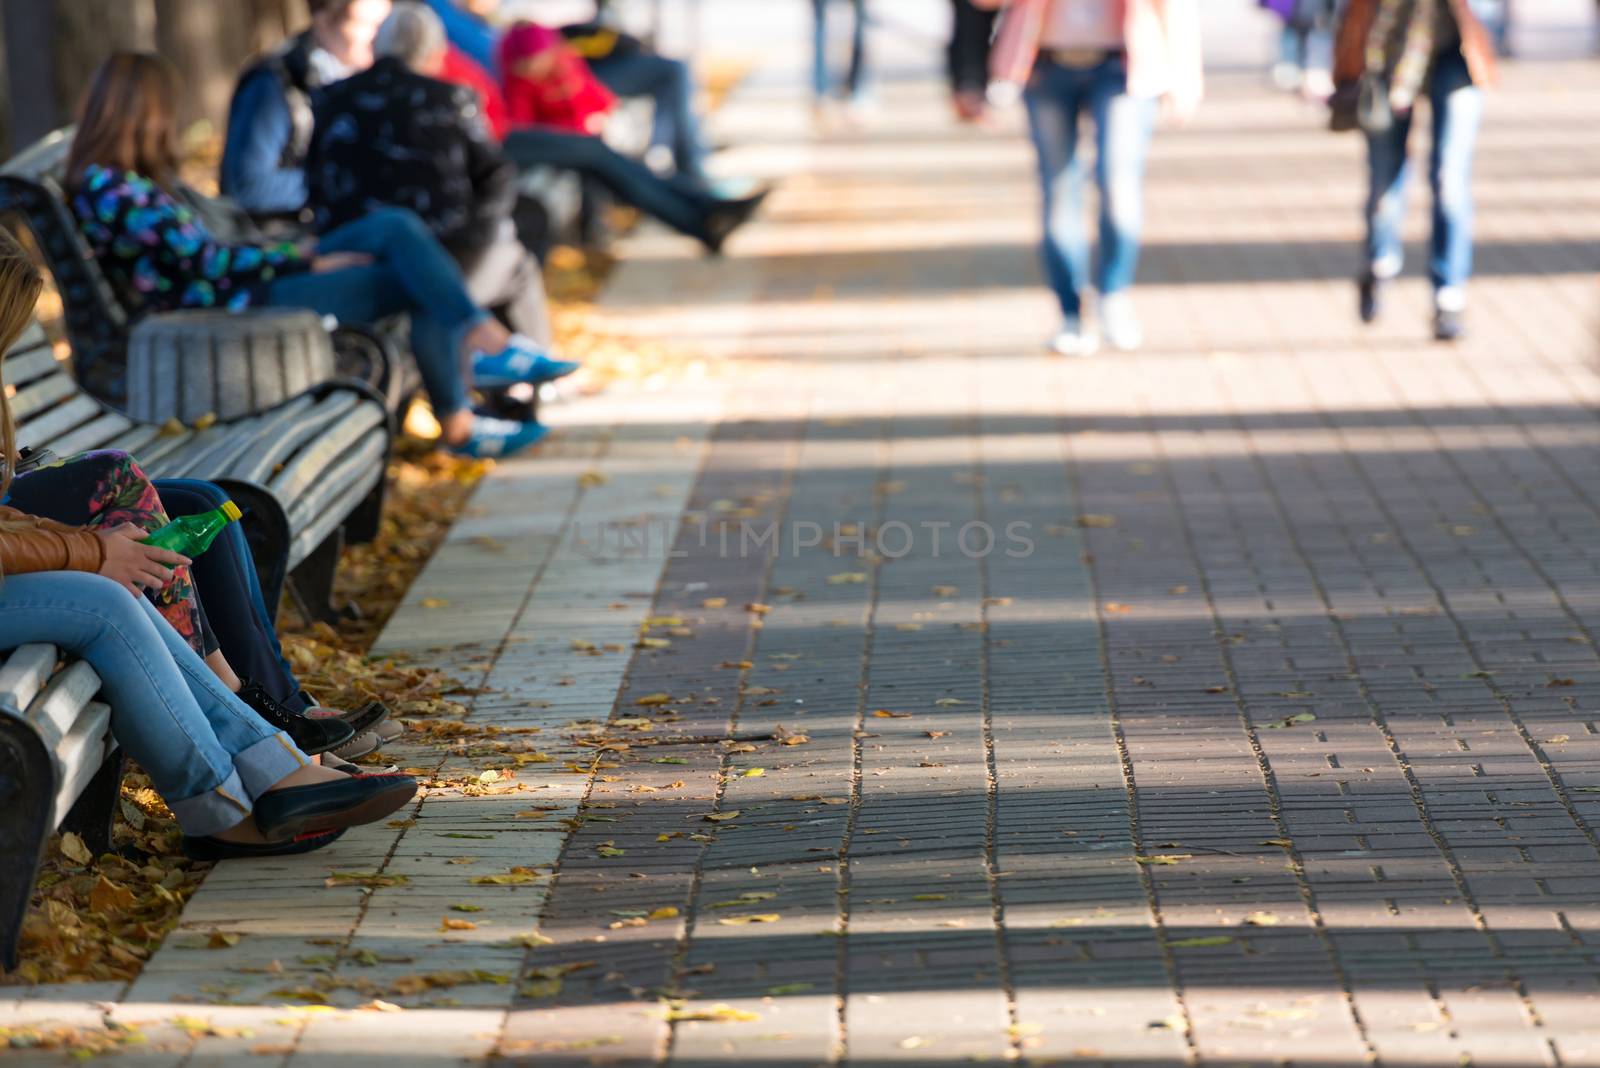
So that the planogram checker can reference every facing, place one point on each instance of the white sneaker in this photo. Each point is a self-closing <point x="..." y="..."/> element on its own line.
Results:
<point x="1287" y="76"/>
<point x="1120" y="323"/>
<point x="1073" y="340"/>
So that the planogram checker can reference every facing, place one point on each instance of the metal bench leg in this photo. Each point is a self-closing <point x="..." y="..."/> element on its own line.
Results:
<point x="27" y="789"/>
<point x="92" y="816"/>
<point x="311" y="584"/>
<point x="363" y="524"/>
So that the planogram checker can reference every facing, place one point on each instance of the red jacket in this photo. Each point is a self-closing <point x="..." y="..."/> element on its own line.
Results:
<point x="548" y="84"/>
<point x="461" y="69"/>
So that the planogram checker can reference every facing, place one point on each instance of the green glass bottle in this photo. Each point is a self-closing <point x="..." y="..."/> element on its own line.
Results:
<point x="192" y="535"/>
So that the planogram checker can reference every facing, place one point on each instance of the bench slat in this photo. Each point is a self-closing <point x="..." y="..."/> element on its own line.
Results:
<point x="290" y="431"/>
<point x="95" y="434"/>
<point x="33" y="335"/>
<point x="79" y="756"/>
<point x="44" y="156"/>
<point x="23" y="368"/>
<point x="186" y="460"/>
<point x="41" y="394"/>
<point x="63" y="418"/>
<point x="313" y="462"/>
<point x="62" y="701"/>
<point x="24" y="673"/>
<point x="315" y="514"/>
<point x="158" y="447"/>
<point x="134" y="441"/>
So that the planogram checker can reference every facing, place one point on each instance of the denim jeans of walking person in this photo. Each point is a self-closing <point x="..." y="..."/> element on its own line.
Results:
<point x="670" y="83"/>
<point x="207" y="754"/>
<point x="1057" y="99"/>
<point x="1457" y="111"/>
<point x="412" y="274"/>
<point x="856" y="73"/>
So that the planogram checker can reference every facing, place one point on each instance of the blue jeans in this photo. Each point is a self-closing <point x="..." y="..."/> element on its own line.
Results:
<point x="677" y="201"/>
<point x="856" y="76"/>
<point x="233" y="613"/>
<point x="207" y="754"/>
<point x="1457" y="107"/>
<point x="670" y="83"/>
<point x="411" y="273"/>
<point x="225" y="578"/>
<point x="1057" y="97"/>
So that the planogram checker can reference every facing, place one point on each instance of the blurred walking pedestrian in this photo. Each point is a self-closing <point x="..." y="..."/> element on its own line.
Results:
<point x="969" y="60"/>
<point x="1391" y="54"/>
<point x="1114" y="60"/>
<point x="1305" y="46"/>
<point x="822" y="79"/>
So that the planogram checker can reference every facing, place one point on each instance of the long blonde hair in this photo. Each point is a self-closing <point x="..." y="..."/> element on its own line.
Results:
<point x="20" y="283"/>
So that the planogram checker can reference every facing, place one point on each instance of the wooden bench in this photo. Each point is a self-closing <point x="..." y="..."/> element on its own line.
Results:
<point x="308" y="473"/>
<point x="59" y="768"/>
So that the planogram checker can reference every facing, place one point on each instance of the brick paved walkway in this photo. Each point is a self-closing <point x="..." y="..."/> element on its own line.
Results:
<point x="1264" y="734"/>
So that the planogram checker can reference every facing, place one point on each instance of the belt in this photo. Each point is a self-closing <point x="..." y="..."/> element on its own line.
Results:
<point x="1080" y="58"/>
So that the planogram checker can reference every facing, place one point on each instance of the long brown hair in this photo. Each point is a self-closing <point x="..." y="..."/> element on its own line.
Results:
<point x="129" y="120"/>
<point x="20" y="283"/>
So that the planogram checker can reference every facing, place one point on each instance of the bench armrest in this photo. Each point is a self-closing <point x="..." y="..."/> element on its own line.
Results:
<point x="192" y="364"/>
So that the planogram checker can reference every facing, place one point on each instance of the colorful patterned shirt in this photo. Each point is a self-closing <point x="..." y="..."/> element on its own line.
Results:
<point x="162" y="256"/>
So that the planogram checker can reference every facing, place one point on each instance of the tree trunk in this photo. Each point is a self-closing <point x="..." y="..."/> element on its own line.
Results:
<point x="30" y="72"/>
<point x="85" y="33"/>
<point x="207" y="47"/>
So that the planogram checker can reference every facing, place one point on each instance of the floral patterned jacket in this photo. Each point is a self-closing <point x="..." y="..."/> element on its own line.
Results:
<point x="164" y="258"/>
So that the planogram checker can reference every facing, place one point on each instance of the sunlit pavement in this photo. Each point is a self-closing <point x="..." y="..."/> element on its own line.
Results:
<point x="1227" y="703"/>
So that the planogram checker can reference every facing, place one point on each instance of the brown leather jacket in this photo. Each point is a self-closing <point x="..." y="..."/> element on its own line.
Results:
<point x="1350" y="48"/>
<point x="45" y="545"/>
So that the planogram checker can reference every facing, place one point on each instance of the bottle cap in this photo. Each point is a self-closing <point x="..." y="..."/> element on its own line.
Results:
<point x="231" y="510"/>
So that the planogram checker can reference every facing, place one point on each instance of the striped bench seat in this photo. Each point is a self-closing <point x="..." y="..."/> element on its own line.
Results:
<point x="59" y="769"/>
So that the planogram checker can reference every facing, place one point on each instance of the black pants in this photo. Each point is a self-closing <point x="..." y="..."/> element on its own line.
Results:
<point x="676" y="201"/>
<point x="969" y="48"/>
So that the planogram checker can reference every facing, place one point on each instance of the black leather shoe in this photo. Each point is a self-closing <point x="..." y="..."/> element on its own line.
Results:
<point x="328" y="805"/>
<point x="213" y="849"/>
<point x="1369" y="290"/>
<point x="312" y="735"/>
<point x="726" y="216"/>
<point x="361" y="719"/>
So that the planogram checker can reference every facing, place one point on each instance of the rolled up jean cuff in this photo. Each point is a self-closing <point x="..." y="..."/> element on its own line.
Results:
<point x="231" y="801"/>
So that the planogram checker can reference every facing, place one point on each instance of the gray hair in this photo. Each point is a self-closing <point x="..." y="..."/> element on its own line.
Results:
<point x="411" y="34"/>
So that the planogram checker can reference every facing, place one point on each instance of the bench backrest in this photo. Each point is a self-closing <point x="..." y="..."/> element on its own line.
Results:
<point x="96" y="314"/>
<point x="53" y="412"/>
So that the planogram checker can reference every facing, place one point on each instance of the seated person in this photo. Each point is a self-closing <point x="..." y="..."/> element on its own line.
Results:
<point x="627" y="67"/>
<point x="270" y="118"/>
<point x="394" y="136"/>
<point x="555" y="106"/>
<point x="120" y="171"/>
<point x="467" y="25"/>
<point x="621" y="62"/>
<point x="238" y="786"/>
<point x="106" y="490"/>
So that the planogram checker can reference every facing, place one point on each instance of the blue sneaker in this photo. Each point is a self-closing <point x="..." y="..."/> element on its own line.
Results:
<point x="522" y="360"/>
<point x="493" y="437"/>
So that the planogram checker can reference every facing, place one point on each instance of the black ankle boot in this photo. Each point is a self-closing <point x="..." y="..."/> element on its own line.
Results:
<point x="311" y="736"/>
<point x="1369" y="292"/>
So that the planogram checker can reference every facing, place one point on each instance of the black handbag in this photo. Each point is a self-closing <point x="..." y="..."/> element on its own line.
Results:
<point x="1373" y="113"/>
